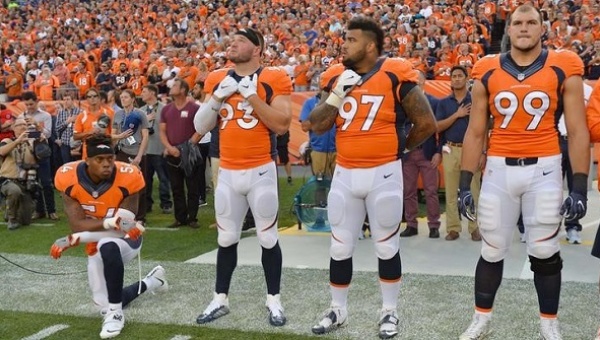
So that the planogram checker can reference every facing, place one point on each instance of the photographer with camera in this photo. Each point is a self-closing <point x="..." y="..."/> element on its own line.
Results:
<point x="40" y="124"/>
<point x="155" y="162"/>
<point x="18" y="175"/>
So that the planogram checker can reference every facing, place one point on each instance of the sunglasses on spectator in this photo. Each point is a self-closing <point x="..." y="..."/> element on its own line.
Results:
<point x="91" y="96"/>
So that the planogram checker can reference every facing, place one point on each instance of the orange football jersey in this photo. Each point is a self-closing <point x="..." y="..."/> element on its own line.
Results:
<point x="98" y="200"/>
<point x="593" y="114"/>
<point x="526" y="103"/>
<point x="370" y="120"/>
<point x="244" y="141"/>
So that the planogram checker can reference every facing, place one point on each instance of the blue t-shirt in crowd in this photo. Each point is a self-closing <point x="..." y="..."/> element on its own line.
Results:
<point x="319" y="143"/>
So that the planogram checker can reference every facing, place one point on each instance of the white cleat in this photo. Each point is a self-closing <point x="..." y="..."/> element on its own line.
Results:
<point x="478" y="329"/>
<point x="156" y="280"/>
<point x="573" y="236"/>
<point x="388" y="324"/>
<point x="276" y="316"/>
<point x="217" y="308"/>
<point x="549" y="329"/>
<point x="333" y="318"/>
<point x="113" y="323"/>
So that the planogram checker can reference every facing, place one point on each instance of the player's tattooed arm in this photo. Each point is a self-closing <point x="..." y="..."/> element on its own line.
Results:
<point x="77" y="218"/>
<point x="323" y="116"/>
<point x="419" y="112"/>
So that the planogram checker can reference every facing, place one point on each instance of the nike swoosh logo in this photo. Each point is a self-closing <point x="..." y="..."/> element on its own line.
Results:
<point x="544" y="173"/>
<point x="245" y="86"/>
<point x="224" y="86"/>
<point x="262" y="173"/>
<point x="388" y="175"/>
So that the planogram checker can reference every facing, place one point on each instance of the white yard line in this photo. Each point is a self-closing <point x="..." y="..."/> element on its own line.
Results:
<point x="181" y="337"/>
<point x="46" y="332"/>
<point x="35" y="224"/>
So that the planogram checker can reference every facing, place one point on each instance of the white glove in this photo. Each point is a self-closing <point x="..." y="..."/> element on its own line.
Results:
<point x="247" y="86"/>
<point x="119" y="223"/>
<point x="226" y="88"/>
<point x="345" y="83"/>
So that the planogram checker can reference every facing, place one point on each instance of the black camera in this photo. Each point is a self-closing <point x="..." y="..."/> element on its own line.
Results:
<point x="32" y="132"/>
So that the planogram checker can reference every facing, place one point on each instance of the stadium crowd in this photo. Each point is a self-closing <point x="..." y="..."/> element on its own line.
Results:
<point x="118" y="45"/>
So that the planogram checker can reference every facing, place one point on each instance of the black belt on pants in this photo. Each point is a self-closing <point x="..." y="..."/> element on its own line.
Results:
<point x="523" y="161"/>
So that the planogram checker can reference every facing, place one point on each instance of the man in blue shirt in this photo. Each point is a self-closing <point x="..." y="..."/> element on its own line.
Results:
<point x="452" y="114"/>
<point x="323" y="146"/>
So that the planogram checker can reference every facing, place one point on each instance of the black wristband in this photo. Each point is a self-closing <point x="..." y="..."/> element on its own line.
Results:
<point x="580" y="183"/>
<point x="465" y="180"/>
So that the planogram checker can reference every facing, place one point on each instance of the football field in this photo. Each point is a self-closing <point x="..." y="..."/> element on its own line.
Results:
<point x="436" y="299"/>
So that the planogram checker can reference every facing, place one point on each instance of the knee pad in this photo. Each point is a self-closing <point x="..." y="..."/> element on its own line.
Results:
<point x="547" y="209"/>
<point x="335" y="207"/>
<point x="489" y="212"/>
<point x="265" y="203"/>
<point x="546" y="267"/>
<point x="388" y="212"/>
<point x="267" y="238"/>
<point x="228" y="236"/>
<point x="221" y="199"/>
<point x="491" y="254"/>
<point x="341" y="251"/>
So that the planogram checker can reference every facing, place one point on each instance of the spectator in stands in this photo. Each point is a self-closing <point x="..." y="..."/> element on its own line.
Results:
<point x="83" y="79"/>
<point x="14" y="82"/>
<point x="96" y="119"/>
<point x="6" y="121"/>
<point x="61" y="72"/>
<point x="46" y="84"/>
<point x="104" y="78"/>
<point x="121" y="78"/>
<point x="155" y="162"/>
<point x="300" y="74"/>
<point x="67" y="114"/>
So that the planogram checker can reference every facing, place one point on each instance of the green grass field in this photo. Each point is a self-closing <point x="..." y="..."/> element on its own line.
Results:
<point x="431" y="307"/>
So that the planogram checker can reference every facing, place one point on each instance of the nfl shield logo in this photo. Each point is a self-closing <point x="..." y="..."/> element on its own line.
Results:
<point x="521" y="76"/>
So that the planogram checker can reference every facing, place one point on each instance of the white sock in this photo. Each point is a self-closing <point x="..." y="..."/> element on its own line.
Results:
<point x="389" y="294"/>
<point x="339" y="296"/>
<point x="151" y="283"/>
<point x="115" y="306"/>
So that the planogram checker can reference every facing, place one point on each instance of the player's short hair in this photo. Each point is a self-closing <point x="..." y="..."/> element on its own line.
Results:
<point x="524" y="8"/>
<point x="370" y="27"/>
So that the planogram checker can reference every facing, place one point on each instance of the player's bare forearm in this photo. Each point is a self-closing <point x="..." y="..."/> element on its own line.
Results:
<point x="322" y="118"/>
<point x="579" y="151"/>
<point x="419" y="112"/>
<point x="131" y="203"/>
